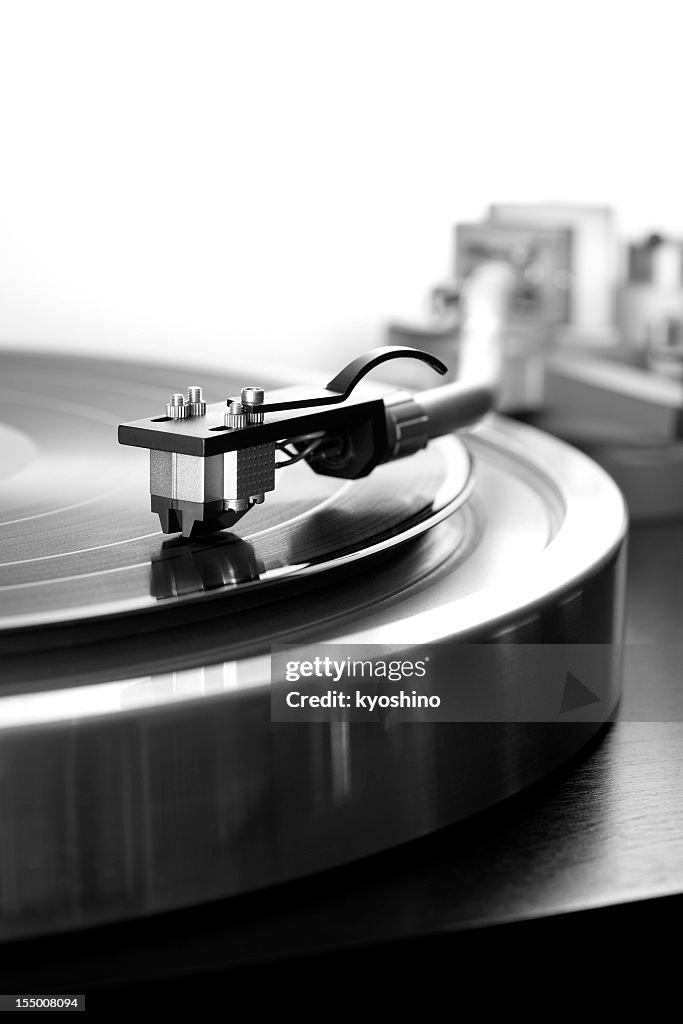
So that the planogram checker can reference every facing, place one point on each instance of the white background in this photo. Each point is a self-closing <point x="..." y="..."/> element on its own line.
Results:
<point x="275" y="180"/>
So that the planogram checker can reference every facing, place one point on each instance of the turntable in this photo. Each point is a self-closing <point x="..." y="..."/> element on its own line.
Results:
<point x="141" y="768"/>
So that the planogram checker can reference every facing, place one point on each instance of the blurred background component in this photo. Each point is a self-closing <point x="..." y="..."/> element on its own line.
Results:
<point x="592" y="352"/>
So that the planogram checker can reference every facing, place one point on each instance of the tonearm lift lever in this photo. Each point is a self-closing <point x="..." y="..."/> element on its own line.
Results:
<point x="209" y="464"/>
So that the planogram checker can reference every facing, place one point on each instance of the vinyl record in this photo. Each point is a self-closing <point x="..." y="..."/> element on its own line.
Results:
<point x="77" y="539"/>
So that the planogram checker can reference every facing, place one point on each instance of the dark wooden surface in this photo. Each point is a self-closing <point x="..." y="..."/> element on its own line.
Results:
<point x="607" y="830"/>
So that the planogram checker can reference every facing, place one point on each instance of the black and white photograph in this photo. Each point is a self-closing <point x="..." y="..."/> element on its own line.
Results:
<point x="341" y="506"/>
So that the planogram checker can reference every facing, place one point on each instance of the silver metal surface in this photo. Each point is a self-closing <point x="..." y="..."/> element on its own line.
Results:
<point x="186" y="477"/>
<point x="131" y="788"/>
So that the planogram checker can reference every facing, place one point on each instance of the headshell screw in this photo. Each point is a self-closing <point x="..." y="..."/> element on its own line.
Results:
<point x="195" y="400"/>
<point x="235" y="417"/>
<point x="252" y="397"/>
<point x="176" y="409"/>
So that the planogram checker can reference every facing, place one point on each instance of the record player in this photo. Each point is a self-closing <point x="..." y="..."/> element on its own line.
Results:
<point x="144" y="585"/>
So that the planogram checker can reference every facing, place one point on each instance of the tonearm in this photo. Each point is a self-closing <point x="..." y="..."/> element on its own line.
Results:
<point x="210" y="464"/>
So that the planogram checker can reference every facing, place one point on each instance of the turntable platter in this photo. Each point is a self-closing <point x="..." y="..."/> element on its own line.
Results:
<point x="141" y="768"/>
